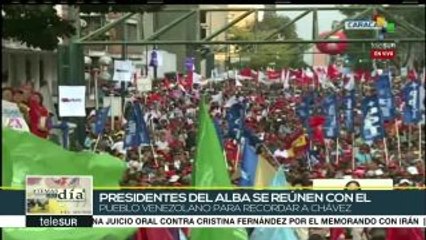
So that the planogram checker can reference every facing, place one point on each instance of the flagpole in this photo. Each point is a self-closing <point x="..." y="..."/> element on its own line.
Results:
<point x="337" y="150"/>
<point x="386" y="151"/>
<point x="238" y="155"/>
<point x="353" y="151"/>
<point x="420" y="140"/>
<point x="409" y="136"/>
<point x="398" y="139"/>
<point x="327" y="154"/>
<point x="97" y="142"/>
<point x="309" y="159"/>
<point x="112" y="113"/>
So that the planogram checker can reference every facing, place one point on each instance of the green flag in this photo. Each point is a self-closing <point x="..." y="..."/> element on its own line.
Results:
<point x="25" y="154"/>
<point x="210" y="171"/>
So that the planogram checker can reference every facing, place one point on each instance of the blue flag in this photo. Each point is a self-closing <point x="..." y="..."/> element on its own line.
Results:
<point x="349" y="106"/>
<point x="412" y="113"/>
<point x="331" y="127"/>
<point x="283" y="233"/>
<point x="101" y="117"/>
<point x="136" y="129"/>
<point x="385" y="97"/>
<point x="372" y="123"/>
<point x="154" y="59"/>
<point x="235" y="118"/>
<point x="248" y="166"/>
<point x="250" y="137"/>
<point x="303" y="111"/>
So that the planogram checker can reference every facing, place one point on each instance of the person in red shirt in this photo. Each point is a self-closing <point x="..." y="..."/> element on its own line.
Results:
<point x="38" y="115"/>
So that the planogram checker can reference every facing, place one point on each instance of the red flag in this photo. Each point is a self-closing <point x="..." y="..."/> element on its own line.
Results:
<point x="333" y="72"/>
<point x="153" y="234"/>
<point x="316" y="123"/>
<point x="189" y="79"/>
<point x="273" y="75"/>
<point x="246" y="72"/>
<point x="336" y="233"/>
<point x="404" y="234"/>
<point x="412" y="75"/>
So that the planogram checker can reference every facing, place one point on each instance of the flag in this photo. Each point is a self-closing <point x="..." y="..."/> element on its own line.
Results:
<point x="182" y="235"/>
<point x="235" y="119"/>
<point x="136" y="129"/>
<point x="273" y="75"/>
<point x="30" y="155"/>
<point x="315" y="129"/>
<point x="101" y="117"/>
<point x="303" y="110"/>
<point x="154" y="59"/>
<point x="286" y="78"/>
<point x="333" y="72"/>
<point x="385" y="97"/>
<point x="210" y="171"/>
<point x="154" y="234"/>
<point x="250" y="137"/>
<point x="404" y="234"/>
<point x="264" y="173"/>
<point x="331" y="128"/>
<point x="349" y="105"/>
<point x="412" y="113"/>
<point x="372" y="123"/>
<point x="279" y="180"/>
<point x="65" y="233"/>
<point x="350" y="84"/>
<point x="336" y="233"/>
<point x="248" y="165"/>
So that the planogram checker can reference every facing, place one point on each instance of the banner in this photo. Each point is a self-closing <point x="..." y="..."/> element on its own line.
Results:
<point x="385" y="97"/>
<point x="349" y="105"/>
<point x="123" y="71"/>
<point x="331" y="127"/>
<point x="12" y="117"/>
<point x="372" y="124"/>
<point x="144" y="84"/>
<point x="235" y="118"/>
<point x="136" y="129"/>
<point x="72" y="101"/>
<point x="101" y="118"/>
<point x="412" y="113"/>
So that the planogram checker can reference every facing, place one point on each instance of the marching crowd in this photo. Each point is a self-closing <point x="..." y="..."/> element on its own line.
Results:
<point x="170" y="112"/>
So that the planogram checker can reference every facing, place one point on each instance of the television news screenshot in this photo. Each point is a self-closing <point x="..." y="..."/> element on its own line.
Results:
<point x="159" y="120"/>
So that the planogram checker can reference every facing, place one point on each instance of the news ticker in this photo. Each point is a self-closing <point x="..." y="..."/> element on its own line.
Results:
<point x="220" y="208"/>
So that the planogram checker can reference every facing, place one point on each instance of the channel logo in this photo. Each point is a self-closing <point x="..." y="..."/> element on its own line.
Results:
<point x="378" y="23"/>
<point x="59" y="195"/>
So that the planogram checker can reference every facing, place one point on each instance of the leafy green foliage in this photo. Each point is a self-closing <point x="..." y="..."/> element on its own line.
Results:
<point x="39" y="26"/>
<point x="35" y="25"/>
<point x="278" y="55"/>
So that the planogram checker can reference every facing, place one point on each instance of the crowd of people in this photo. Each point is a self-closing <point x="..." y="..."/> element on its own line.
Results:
<point x="170" y="111"/>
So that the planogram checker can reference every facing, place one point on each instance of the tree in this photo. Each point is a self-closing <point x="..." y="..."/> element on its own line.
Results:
<point x="39" y="26"/>
<point x="278" y="55"/>
<point x="35" y="25"/>
<point x="407" y="54"/>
